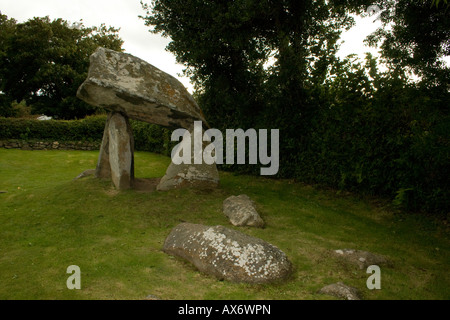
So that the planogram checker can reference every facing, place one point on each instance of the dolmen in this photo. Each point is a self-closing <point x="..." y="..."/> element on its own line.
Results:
<point x="131" y="88"/>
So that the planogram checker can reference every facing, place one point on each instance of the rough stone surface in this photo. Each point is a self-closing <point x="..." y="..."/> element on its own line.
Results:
<point x="103" y="169"/>
<point x="131" y="88"/>
<point x="121" y="151"/>
<point x="198" y="176"/>
<point x="228" y="254"/>
<point x="85" y="173"/>
<point x="342" y="291"/>
<point x="241" y="211"/>
<point x="120" y="82"/>
<point x="362" y="259"/>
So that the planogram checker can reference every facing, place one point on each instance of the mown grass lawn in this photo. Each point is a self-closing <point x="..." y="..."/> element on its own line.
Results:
<point x="48" y="221"/>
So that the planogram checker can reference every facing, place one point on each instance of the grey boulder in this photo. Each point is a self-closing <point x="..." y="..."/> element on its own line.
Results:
<point x="190" y="175"/>
<point x="228" y="254"/>
<point x="240" y="210"/>
<point x="120" y="82"/>
<point x="341" y="290"/>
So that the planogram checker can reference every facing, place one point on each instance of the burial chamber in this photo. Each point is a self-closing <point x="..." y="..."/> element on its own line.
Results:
<point x="131" y="88"/>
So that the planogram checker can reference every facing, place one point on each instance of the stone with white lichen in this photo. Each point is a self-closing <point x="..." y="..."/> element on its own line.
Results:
<point x="342" y="291"/>
<point x="120" y="82"/>
<point x="228" y="254"/>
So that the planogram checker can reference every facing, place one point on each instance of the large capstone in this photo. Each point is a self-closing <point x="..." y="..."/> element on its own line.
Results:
<point x="228" y="254"/>
<point x="120" y="82"/>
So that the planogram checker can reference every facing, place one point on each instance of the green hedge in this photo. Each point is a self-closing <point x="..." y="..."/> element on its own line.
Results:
<point x="89" y="129"/>
<point x="384" y="138"/>
<point x="148" y="137"/>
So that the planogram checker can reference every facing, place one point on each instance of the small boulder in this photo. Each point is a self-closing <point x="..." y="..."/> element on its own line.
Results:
<point x="342" y="291"/>
<point x="362" y="259"/>
<point x="85" y="173"/>
<point x="240" y="210"/>
<point x="228" y="254"/>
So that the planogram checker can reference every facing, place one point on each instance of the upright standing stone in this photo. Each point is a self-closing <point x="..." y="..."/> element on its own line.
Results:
<point x="198" y="176"/>
<point x="121" y="151"/>
<point x="103" y="169"/>
<point x="116" y="158"/>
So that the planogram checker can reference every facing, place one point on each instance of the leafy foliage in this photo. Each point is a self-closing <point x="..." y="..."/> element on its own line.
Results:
<point x="147" y="137"/>
<point x="418" y="38"/>
<point x="343" y="123"/>
<point x="44" y="62"/>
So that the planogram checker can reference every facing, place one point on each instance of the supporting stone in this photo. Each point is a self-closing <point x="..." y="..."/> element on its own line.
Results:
<point x="197" y="176"/>
<point x="116" y="158"/>
<point x="103" y="169"/>
<point x="121" y="152"/>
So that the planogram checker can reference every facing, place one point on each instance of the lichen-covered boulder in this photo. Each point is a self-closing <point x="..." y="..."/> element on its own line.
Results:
<point x="228" y="254"/>
<point x="342" y="291"/>
<point x="240" y="210"/>
<point x="120" y="82"/>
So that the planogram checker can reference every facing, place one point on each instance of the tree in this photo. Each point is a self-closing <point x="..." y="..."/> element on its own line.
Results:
<point x="418" y="37"/>
<point x="44" y="62"/>
<point x="7" y="27"/>
<point x="225" y="45"/>
<point x="342" y="123"/>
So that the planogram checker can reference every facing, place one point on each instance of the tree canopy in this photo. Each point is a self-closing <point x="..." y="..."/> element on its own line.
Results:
<point x="414" y="37"/>
<point x="226" y="44"/>
<point x="343" y="123"/>
<point x="44" y="62"/>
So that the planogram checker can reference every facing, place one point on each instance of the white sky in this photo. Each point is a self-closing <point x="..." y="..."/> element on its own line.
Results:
<point x="138" y="41"/>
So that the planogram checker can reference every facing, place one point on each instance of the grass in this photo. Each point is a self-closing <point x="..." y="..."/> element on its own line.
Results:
<point x="50" y="221"/>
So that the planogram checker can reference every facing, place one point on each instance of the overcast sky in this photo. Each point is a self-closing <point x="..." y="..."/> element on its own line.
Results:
<point x="138" y="41"/>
